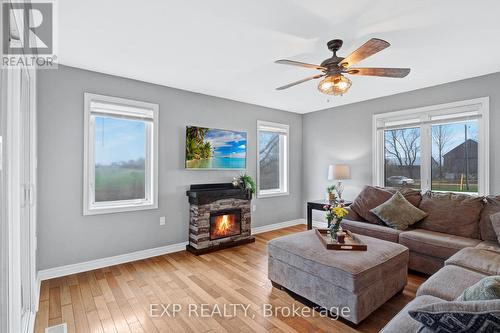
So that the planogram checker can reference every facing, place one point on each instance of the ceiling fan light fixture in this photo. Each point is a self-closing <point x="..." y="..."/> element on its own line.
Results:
<point x="334" y="85"/>
<point x="333" y="68"/>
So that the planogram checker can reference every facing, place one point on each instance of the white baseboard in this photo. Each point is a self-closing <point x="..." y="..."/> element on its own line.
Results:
<point x="109" y="261"/>
<point x="51" y="273"/>
<point x="275" y="226"/>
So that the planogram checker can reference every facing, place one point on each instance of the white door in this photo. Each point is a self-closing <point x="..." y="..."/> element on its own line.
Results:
<point x="20" y="149"/>
<point x="27" y="180"/>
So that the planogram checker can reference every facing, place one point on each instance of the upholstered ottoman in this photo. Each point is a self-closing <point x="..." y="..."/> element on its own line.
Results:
<point x="359" y="280"/>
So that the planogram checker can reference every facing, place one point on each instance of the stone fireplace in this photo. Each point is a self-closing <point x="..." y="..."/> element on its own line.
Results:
<point x="219" y="217"/>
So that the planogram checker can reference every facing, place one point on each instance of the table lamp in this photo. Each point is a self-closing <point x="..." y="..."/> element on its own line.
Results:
<point x="339" y="172"/>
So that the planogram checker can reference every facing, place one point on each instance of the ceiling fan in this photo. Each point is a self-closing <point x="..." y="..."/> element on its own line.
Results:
<point x="334" y="69"/>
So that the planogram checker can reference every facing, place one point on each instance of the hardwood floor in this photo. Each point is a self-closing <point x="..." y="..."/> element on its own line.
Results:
<point x="117" y="299"/>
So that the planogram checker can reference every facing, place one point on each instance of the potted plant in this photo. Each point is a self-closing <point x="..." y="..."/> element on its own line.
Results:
<point x="245" y="182"/>
<point x="331" y="195"/>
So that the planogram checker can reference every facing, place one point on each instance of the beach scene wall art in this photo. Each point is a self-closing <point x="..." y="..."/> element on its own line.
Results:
<point x="211" y="148"/>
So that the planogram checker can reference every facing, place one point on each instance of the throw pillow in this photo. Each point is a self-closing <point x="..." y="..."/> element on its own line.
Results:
<point x="369" y="198"/>
<point x="495" y="222"/>
<point x="398" y="213"/>
<point x="485" y="289"/>
<point x="459" y="317"/>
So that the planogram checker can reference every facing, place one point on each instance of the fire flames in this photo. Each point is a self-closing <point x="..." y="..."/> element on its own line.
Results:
<point x="225" y="225"/>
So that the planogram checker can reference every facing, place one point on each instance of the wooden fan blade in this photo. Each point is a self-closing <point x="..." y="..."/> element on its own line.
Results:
<point x="369" y="48"/>
<point x="300" y="81"/>
<point x="298" y="63"/>
<point x="386" y="72"/>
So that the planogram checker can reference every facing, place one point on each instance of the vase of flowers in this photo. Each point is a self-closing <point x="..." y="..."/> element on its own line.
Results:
<point x="335" y="212"/>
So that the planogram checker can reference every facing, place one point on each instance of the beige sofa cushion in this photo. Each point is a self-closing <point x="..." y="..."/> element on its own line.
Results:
<point x="479" y="260"/>
<point x="491" y="207"/>
<point x="433" y="243"/>
<point x="489" y="245"/>
<point x="353" y="216"/>
<point x="373" y="230"/>
<point x="449" y="282"/>
<point x="402" y="322"/>
<point x="455" y="214"/>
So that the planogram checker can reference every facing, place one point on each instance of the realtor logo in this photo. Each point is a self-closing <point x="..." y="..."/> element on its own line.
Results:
<point x="28" y="39"/>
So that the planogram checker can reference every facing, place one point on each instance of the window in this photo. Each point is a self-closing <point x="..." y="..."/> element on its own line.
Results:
<point x="121" y="142"/>
<point x="272" y="159"/>
<point x="440" y="148"/>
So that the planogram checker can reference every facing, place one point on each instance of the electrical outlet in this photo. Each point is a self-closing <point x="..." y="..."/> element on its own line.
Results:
<point x="254" y="208"/>
<point x="162" y="220"/>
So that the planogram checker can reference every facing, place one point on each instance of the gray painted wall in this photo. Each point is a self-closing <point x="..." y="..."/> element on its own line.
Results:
<point x="344" y="134"/>
<point x="65" y="236"/>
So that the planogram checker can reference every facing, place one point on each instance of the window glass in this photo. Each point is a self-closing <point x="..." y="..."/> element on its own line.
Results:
<point x="402" y="157"/>
<point x="455" y="157"/>
<point x="269" y="163"/>
<point x="120" y="153"/>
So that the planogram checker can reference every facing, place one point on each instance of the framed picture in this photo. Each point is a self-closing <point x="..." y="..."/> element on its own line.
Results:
<point x="215" y="149"/>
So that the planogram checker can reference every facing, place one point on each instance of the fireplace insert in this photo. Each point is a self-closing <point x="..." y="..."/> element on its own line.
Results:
<point x="225" y="223"/>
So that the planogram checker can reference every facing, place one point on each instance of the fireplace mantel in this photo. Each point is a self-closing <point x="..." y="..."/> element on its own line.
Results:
<point x="202" y="194"/>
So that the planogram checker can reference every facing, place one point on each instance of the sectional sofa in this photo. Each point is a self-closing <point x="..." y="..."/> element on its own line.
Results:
<point x="454" y="222"/>
<point x="455" y="243"/>
<point x="465" y="268"/>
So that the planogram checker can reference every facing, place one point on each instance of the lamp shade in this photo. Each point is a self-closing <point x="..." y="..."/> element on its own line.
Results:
<point x="339" y="172"/>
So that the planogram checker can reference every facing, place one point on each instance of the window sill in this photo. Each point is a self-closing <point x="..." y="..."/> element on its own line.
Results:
<point x="270" y="195"/>
<point x="117" y="209"/>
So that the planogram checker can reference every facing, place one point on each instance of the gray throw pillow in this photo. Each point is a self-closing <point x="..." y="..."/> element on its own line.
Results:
<point x="486" y="289"/>
<point x="398" y="213"/>
<point x="459" y="317"/>
<point x="495" y="222"/>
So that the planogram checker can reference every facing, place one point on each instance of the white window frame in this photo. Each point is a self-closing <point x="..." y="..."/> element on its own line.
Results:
<point x="424" y="118"/>
<point x="126" y="108"/>
<point x="267" y="126"/>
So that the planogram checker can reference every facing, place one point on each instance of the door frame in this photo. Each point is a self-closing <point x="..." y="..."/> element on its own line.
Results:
<point x="4" y="240"/>
<point x="11" y="193"/>
<point x="4" y="254"/>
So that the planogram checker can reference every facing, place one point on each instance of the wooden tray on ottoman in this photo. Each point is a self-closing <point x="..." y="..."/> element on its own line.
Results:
<point x="352" y="243"/>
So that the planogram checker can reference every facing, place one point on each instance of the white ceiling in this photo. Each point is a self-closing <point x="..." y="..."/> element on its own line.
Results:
<point x="226" y="48"/>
